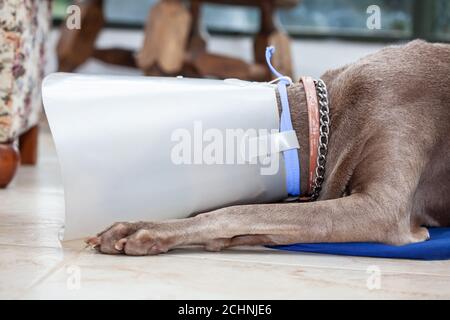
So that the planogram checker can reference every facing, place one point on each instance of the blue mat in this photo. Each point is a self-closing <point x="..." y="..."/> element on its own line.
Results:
<point x="437" y="248"/>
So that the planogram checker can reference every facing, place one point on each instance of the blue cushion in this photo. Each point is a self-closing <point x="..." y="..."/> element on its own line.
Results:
<point x="437" y="248"/>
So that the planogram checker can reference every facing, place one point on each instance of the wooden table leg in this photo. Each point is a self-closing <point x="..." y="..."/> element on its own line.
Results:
<point x="28" y="146"/>
<point x="9" y="161"/>
<point x="270" y="35"/>
<point x="261" y="40"/>
<point x="197" y="42"/>
<point x="222" y="67"/>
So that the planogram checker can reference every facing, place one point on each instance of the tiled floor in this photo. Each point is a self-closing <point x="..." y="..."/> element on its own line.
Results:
<point x="34" y="265"/>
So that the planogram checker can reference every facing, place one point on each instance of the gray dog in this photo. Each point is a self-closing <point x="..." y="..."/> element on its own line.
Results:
<point x="387" y="172"/>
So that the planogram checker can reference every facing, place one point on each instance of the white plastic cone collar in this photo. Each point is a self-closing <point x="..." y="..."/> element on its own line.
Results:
<point x="114" y="137"/>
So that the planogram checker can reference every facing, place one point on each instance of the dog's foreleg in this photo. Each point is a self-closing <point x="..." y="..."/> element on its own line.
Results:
<point x="351" y="219"/>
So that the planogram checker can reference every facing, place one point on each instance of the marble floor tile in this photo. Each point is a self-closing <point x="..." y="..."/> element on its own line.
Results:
<point x="275" y="257"/>
<point x="181" y="276"/>
<point x="31" y="235"/>
<point x="18" y="207"/>
<point x="22" y="267"/>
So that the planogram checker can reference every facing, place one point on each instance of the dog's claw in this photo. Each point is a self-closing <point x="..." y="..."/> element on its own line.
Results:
<point x="93" y="242"/>
<point x="134" y="239"/>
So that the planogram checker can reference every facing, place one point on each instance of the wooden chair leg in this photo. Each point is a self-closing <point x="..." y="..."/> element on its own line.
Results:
<point x="267" y="26"/>
<point x="9" y="161"/>
<point x="75" y="46"/>
<point x="208" y="64"/>
<point x="271" y="34"/>
<point x="28" y="146"/>
<point x="282" y="59"/>
<point x="117" y="56"/>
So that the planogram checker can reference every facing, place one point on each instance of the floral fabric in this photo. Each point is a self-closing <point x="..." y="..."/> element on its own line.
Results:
<point x="24" y="28"/>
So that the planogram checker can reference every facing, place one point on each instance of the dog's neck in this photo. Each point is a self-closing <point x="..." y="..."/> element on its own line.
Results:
<point x="299" y="115"/>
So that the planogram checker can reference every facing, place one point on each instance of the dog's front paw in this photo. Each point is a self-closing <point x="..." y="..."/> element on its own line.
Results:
<point x="134" y="239"/>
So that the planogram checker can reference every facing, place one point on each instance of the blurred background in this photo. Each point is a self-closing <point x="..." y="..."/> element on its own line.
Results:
<point x="343" y="19"/>
<point x="324" y="33"/>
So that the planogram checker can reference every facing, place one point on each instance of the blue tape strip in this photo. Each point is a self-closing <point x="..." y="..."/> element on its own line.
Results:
<point x="291" y="158"/>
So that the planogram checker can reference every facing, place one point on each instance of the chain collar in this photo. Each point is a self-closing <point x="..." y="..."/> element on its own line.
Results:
<point x="324" y="109"/>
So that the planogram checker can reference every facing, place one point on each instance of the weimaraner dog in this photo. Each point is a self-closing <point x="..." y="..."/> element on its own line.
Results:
<point x="387" y="174"/>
